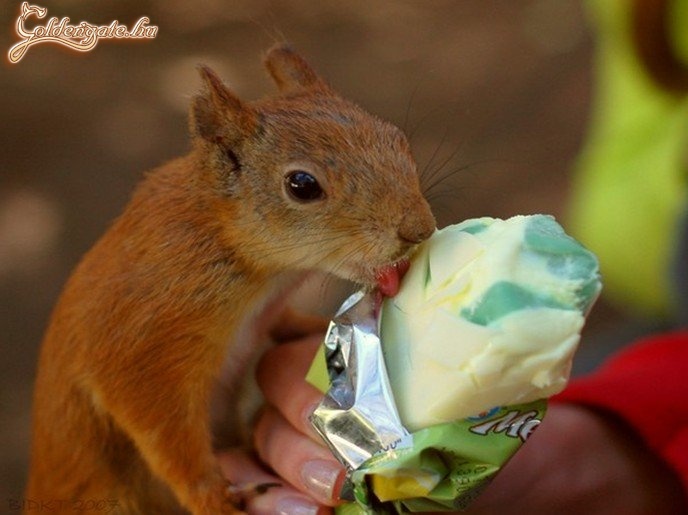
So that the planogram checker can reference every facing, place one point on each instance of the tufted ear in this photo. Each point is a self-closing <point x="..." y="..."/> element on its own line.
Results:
<point x="217" y="114"/>
<point x="290" y="71"/>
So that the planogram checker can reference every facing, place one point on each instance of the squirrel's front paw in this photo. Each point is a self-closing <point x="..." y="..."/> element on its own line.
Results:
<point x="216" y="498"/>
<point x="240" y="495"/>
<point x="229" y="499"/>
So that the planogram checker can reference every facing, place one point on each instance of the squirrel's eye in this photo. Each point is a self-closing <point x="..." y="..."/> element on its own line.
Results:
<point x="303" y="187"/>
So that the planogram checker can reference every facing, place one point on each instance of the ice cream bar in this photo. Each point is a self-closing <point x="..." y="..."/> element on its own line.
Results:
<point x="488" y="315"/>
<point x="427" y="397"/>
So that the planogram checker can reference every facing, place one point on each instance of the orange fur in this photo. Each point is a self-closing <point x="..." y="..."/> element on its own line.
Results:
<point x="144" y="323"/>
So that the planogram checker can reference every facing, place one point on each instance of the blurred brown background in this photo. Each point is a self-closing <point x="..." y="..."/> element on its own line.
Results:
<point x="498" y="89"/>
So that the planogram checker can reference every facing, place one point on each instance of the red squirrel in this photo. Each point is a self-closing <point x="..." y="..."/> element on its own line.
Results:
<point x="272" y="188"/>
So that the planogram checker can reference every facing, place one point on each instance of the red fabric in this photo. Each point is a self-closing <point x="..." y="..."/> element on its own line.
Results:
<point x="647" y="386"/>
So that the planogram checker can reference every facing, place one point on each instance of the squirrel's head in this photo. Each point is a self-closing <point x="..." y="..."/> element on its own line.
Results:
<point x="307" y="179"/>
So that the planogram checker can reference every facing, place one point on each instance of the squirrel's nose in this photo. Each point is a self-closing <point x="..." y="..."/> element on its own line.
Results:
<point x="415" y="229"/>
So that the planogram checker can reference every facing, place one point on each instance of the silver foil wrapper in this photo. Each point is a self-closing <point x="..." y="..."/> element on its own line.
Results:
<point x="357" y="418"/>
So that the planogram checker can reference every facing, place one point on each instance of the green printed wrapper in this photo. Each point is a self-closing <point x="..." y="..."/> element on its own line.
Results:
<point x="446" y="466"/>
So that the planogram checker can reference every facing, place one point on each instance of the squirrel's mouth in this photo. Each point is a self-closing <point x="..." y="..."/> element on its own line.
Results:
<point x="388" y="278"/>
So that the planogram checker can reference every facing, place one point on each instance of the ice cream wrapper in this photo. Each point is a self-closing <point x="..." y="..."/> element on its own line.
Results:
<point x="440" y="468"/>
<point x="482" y="331"/>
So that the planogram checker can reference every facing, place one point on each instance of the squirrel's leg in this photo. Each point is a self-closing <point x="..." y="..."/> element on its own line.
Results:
<point x="166" y="416"/>
<point x="80" y="461"/>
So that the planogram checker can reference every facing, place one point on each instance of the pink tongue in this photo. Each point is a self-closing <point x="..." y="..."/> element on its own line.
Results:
<point x="389" y="277"/>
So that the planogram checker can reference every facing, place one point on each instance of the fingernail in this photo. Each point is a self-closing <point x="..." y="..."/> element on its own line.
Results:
<point x="296" y="506"/>
<point x="320" y="477"/>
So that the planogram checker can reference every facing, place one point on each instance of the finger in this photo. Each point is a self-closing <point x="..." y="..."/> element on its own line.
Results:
<point x="241" y="469"/>
<point x="281" y="376"/>
<point x="307" y="466"/>
<point x="293" y="324"/>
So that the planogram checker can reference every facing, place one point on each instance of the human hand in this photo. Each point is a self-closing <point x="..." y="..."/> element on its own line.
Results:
<point x="582" y="461"/>
<point x="309" y="474"/>
<point x="578" y="461"/>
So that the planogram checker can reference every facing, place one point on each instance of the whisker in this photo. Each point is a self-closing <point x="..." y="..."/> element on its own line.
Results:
<point x="443" y="178"/>
<point x="341" y="260"/>
<point x="408" y="106"/>
<point x="434" y="154"/>
<point x="422" y="121"/>
<point x="444" y="163"/>
<point x="452" y="194"/>
<point x="295" y="245"/>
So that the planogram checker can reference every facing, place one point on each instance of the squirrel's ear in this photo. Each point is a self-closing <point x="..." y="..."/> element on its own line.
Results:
<point x="217" y="115"/>
<point x="290" y="71"/>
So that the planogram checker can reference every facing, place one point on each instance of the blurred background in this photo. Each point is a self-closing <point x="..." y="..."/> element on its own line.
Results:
<point x="495" y="96"/>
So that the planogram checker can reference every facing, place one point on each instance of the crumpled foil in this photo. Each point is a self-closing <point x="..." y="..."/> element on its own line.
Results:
<point x="357" y="418"/>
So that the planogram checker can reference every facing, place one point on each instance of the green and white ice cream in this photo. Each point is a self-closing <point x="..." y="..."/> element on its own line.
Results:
<point x="489" y="314"/>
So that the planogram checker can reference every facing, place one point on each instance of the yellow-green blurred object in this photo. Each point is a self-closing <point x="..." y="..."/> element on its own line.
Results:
<point x="631" y="183"/>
